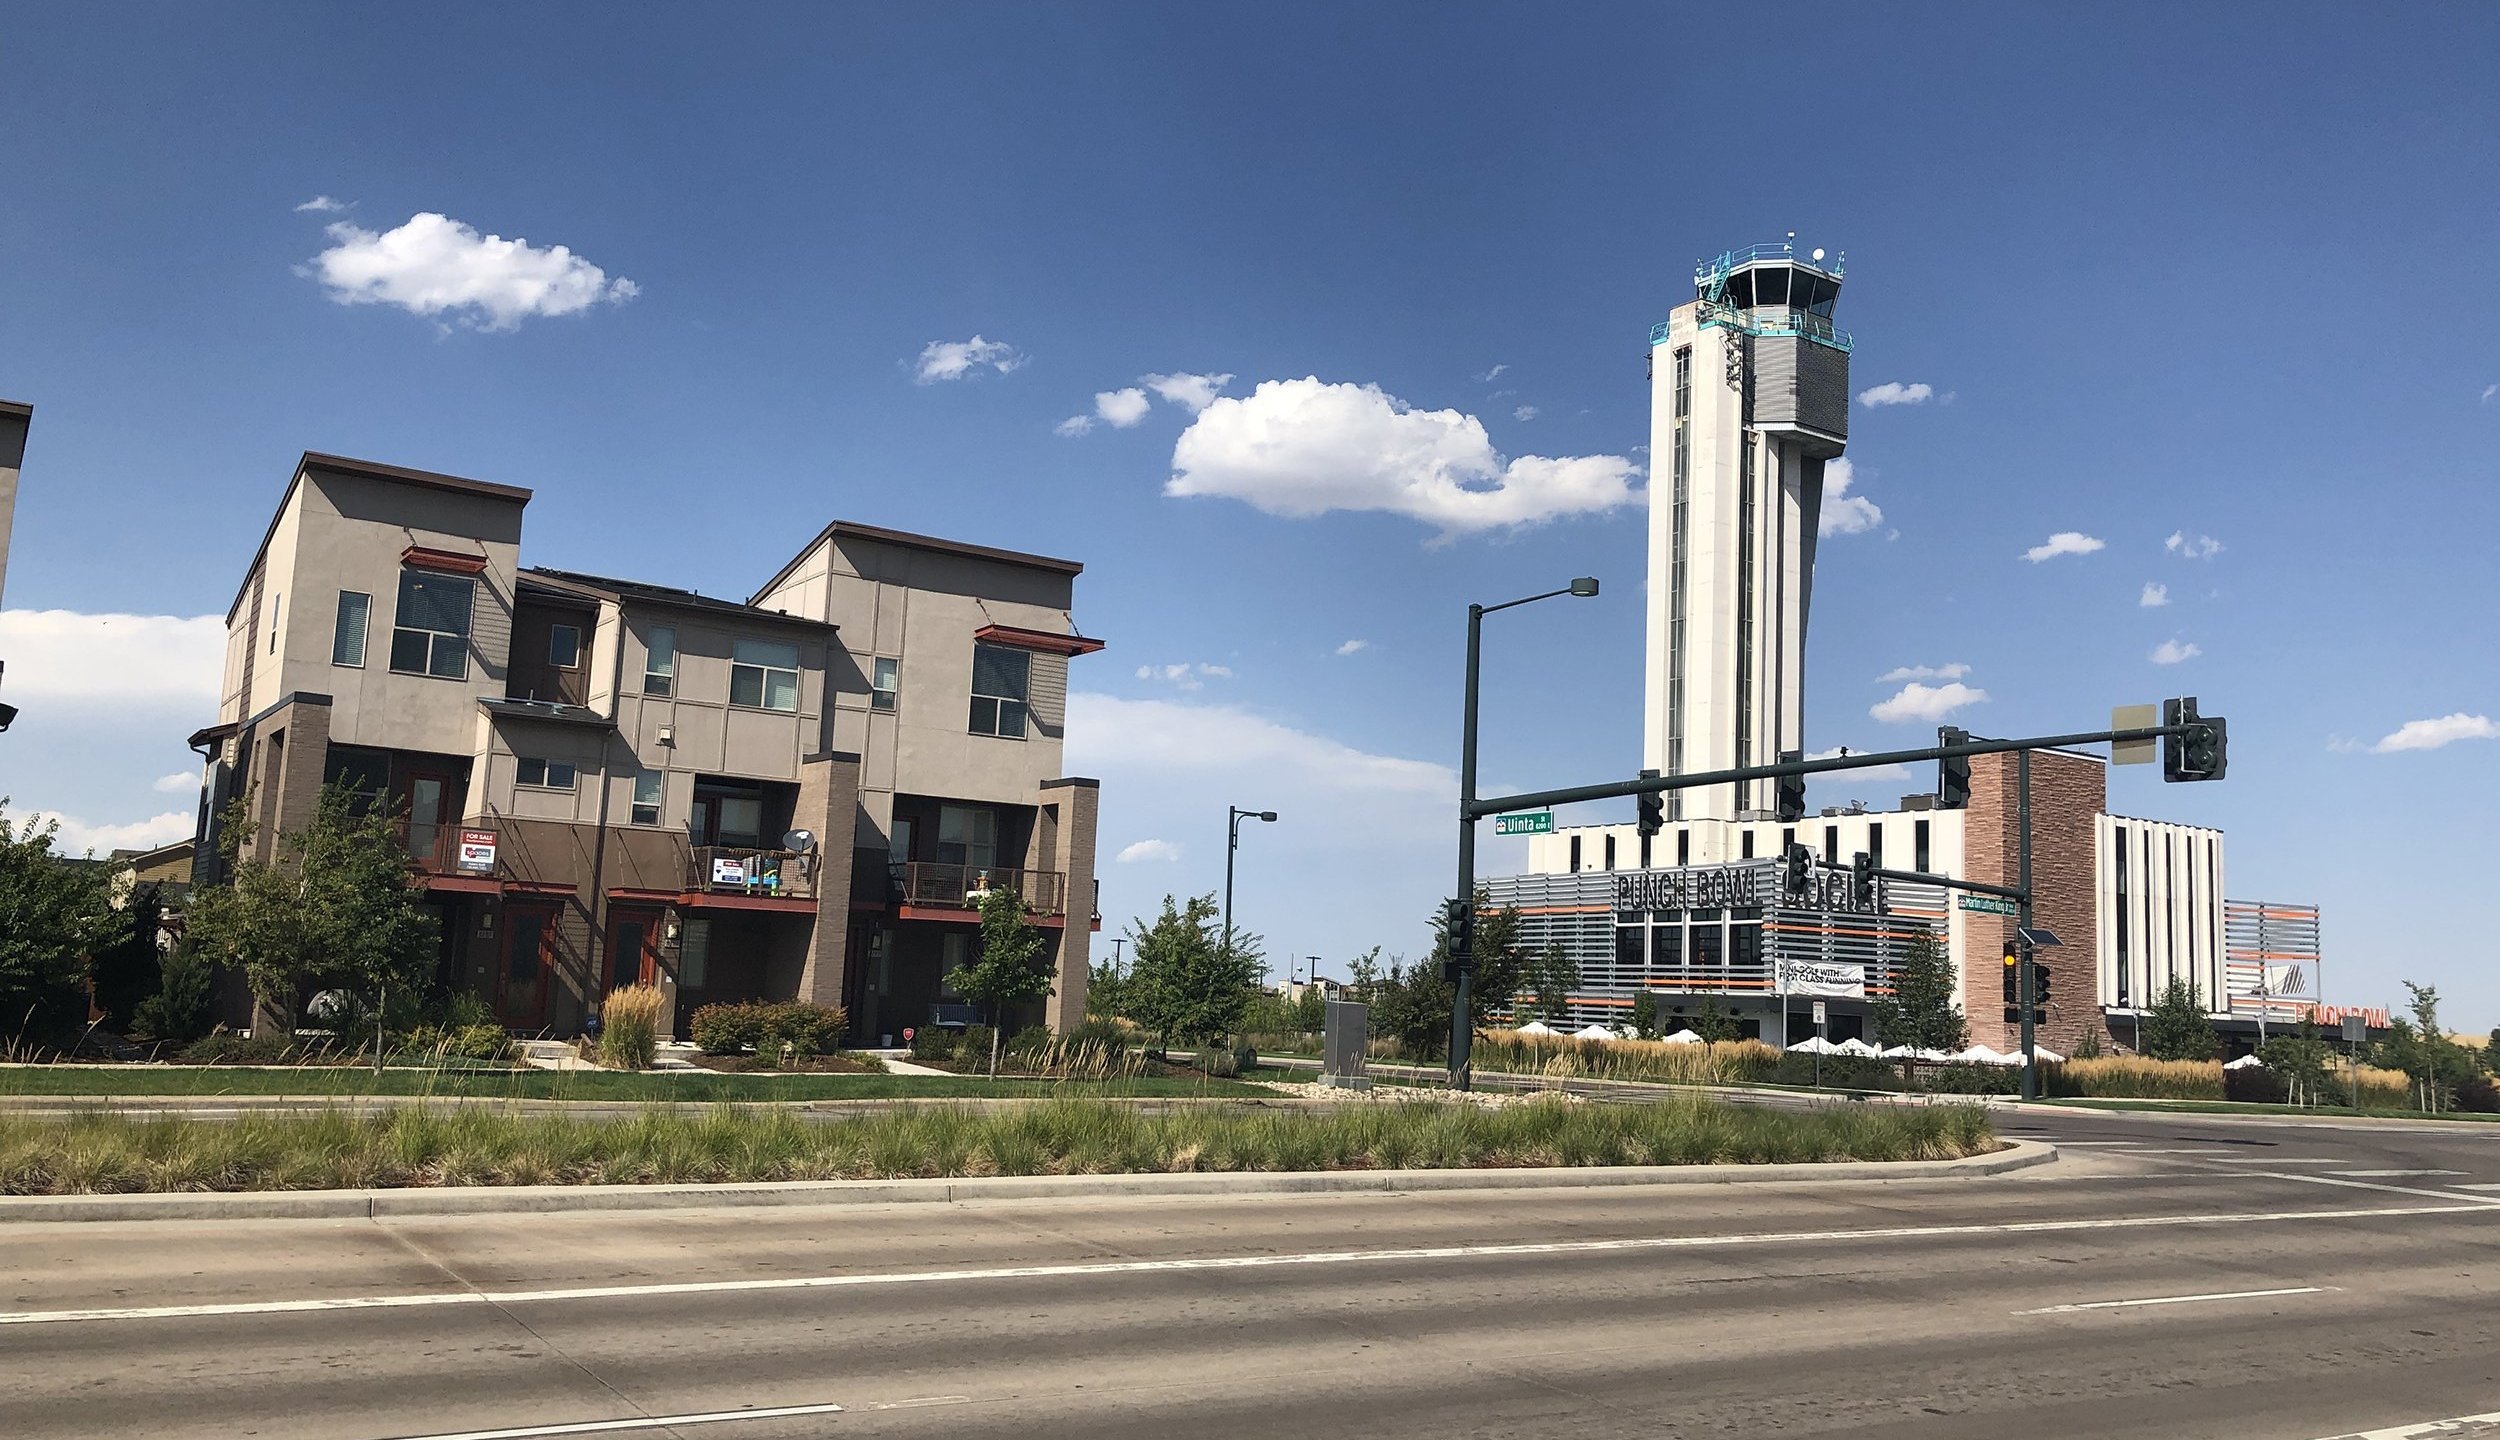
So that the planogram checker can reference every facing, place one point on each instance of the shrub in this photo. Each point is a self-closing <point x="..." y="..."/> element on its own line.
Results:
<point x="731" y="1029"/>
<point x="1972" y="1079"/>
<point x="629" y="1027"/>
<point x="1839" y="1072"/>
<point x="1220" y="1062"/>
<point x="179" y="1010"/>
<point x="974" y="1047"/>
<point x="1030" y="1041"/>
<point x="801" y="1029"/>
<point x="2478" y="1095"/>
<point x="2132" y="1077"/>
<point x="1730" y="1062"/>
<point x="2255" y="1085"/>
<point x="931" y="1043"/>
<point x="242" y="1050"/>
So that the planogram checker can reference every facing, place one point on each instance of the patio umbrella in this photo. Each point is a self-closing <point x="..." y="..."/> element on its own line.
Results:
<point x="1535" y="1027"/>
<point x="1854" y="1046"/>
<point x="1683" y="1037"/>
<point x="1814" y="1046"/>
<point x="1592" y="1032"/>
<point x="2245" y="1062"/>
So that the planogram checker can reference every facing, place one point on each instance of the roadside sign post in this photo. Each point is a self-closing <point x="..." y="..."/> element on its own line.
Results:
<point x="2356" y="1030"/>
<point x="1821" y="1015"/>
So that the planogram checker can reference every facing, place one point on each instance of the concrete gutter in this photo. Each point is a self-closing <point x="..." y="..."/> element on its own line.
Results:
<point x="553" y="1199"/>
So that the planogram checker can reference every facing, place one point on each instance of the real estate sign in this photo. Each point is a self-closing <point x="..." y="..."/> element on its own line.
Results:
<point x="477" y="852"/>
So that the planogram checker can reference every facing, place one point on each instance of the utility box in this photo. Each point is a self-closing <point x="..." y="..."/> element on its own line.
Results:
<point x="1344" y="1045"/>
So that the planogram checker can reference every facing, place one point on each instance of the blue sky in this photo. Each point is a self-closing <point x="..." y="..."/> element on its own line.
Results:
<point x="2162" y="272"/>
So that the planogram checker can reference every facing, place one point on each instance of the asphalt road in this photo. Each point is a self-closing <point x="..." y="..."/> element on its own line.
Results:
<point x="2308" y="1281"/>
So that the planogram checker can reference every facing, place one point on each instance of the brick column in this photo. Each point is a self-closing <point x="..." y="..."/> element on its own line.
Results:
<point x="1078" y="802"/>
<point x="829" y="805"/>
<point x="2068" y="793"/>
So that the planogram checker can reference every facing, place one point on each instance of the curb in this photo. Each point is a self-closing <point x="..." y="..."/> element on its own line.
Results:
<point x="556" y="1199"/>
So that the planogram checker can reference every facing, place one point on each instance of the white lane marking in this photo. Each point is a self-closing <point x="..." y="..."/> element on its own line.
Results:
<point x="2474" y="1187"/>
<point x="2199" y="1150"/>
<point x="2178" y="1300"/>
<point x="923" y="1400"/>
<point x="2281" y="1160"/>
<point x="2092" y="1144"/>
<point x="2423" y="1429"/>
<point x="639" y="1422"/>
<point x="2359" y="1184"/>
<point x="2394" y="1174"/>
<point x="2458" y="1205"/>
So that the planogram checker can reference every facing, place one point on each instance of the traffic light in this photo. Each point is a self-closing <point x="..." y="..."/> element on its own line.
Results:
<point x="1789" y="804"/>
<point x="2039" y="987"/>
<point x="1953" y="771"/>
<point x="1458" y="925"/>
<point x="2201" y="753"/>
<point x="1862" y="870"/>
<point x="1800" y="860"/>
<point x="2013" y="980"/>
<point x="1653" y="808"/>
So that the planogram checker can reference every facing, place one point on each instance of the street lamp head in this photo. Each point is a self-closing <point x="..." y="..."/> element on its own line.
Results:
<point x="1585" y="586"/>
<point x="1267" y="814"/>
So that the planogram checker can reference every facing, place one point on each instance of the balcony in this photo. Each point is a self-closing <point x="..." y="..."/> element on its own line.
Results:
<point x="432" y="847"/>
<point x="743" y="870"/>
<point x="962" y="887"/>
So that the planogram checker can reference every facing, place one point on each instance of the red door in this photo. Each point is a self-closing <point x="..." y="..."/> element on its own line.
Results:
<point x="633" y="945"/>
<point x="425" y="803"/>
<point x="529" y="954"/>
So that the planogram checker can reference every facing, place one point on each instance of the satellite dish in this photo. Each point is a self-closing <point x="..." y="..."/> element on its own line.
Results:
<point x="799" y="842"/>
<point x="1818" y="252"/>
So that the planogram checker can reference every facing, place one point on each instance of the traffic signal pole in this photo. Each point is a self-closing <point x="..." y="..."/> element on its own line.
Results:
<point x="2022" y="927"/>
<point x="1459" y="927"/>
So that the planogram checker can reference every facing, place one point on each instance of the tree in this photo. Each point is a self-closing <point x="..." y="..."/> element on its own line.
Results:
<point x="1014" y="966"/>
<point x="2177" y="1027"/>
<point x="54" y="914"/>
<point x="1106" y="991"/>
<point x="2491" y="1051"/>
<point x="1310" y="1011"/>
<point x="1920" y="1012"/>
<point x="2301" y="1059"/>
<point x="334" y="911"/>
<point x="1645" y="1013"/>
<point x="179" y="1010"/>
<point x="1501" y="970"/>
<point x="1551" y="973"/>
<point x="126" y="970"/>
<point x="1187" y="984"/>
<point x="1411" y="1004"/>
<point x="2422" y="1050"/>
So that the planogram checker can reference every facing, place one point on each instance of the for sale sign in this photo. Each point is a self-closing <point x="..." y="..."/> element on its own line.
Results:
<point x="477" y="852"/>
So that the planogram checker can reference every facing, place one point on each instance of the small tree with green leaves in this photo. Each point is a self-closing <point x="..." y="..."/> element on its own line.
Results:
<point x="1106" y="991"/>
<point x="126" y="970"/>
<point x="1501" y="962"/>
<point x="2301" y="1059"/>
<point x="1920" y="1012"/>
<point x="2491" y="1051"/>
<point x="1645" y="1013"/>
<point x="55" y="914"/>
<point x="1013" y="968"/>
<point x="1310" y="1011"/>
<point x="1551" y="974"/>
<point x="2422" y="1050"/>
<point x="1715" y="1023"/>
<point x="1187" y="984"/>
<point x="180" y="1010"/>
<point x="334" y="911"/>
<point x="2177" y="1027"/>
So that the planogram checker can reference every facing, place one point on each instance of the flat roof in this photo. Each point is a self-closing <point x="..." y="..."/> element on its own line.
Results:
<point x="17" y="409"/>
<point x="368" y="470"/>
<point x="852" y="529"/>
<point x="604" y="587"/>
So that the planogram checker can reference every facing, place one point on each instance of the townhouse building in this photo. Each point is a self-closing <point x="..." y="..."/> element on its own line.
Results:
<point x="602" y="781"/>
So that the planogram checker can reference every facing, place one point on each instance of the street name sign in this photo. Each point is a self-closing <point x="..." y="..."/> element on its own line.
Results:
<point x="1535" y="822"/>
<point x="1988" y="904"/>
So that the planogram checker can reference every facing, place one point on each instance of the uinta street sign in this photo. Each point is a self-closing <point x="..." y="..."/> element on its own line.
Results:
<point x="1535" y="822"/>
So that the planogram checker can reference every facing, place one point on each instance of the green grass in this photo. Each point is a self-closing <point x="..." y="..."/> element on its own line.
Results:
<point x="417" y="1145"/>
<point x="2233" y="1107"/>
<point x="119" y="1081"/>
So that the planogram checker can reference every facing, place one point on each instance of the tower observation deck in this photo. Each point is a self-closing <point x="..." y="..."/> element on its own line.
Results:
<point x="1749" y="401"/>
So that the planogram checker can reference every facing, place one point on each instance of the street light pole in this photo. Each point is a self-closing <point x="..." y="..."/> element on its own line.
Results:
<point x="1232" y="842"/>
<point x="1461" y="933"/>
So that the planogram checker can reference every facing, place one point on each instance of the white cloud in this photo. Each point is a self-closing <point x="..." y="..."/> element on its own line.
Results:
<point x="1489" y="376"/>
<point x="1870" y="772"/>
<point x="1954" y="671"/>
<point x="1186" y="674"/>
<point x="2172" y="651"/>
<point x="955" y="359"/>
<point x="1524" y="412"/>
<point x="1167" y="737"/>
<point x="1191" y="392"/>
<point x="1926" y="702"/>
<point x="177" y="782"/>
<point x="2064" y="542"/>
<point x="2155" y="595"/>
<point x="1304" y="447"/>
<point x="1351" y="646"/>
<point x="2490" y="391"/>
<point x="2200" y="547"/>
<point x="77" y="837"/>
<point x="1120" y="409"/>
<point x="64" y="659"/>
<point x="1148" y="850"/>
<point x="1893" y="392"/>
<point x="322" y="205"/>
<point x="1844" y="513"/>
<point x="437" y="266"/>
<point x="2431" y="734"/>
<point x="1074" y="425"/>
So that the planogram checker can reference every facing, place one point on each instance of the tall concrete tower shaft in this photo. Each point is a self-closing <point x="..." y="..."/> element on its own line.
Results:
<point x="1749" y="400"/>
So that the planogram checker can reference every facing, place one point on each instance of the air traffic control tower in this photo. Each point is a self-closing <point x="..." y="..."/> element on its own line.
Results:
<point x="1749" y="400"/>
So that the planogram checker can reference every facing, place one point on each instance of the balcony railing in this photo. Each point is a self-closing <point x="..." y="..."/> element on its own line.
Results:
<point x="962" y="887"/>
<point x="742" y="870"/>
<point x="432" y="847"/>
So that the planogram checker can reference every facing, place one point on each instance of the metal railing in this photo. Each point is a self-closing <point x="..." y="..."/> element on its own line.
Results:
<point x="432" y="847"/>
<point x="747" y="870"/>
<point x="962" y="887"/>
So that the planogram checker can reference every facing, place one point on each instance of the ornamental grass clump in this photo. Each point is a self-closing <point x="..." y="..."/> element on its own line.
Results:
<point x="1725" y="1062"/>
<point x="426" y="1145"/>
<point x="2133" y="1077"/>
<point x="629" y="1027"/>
